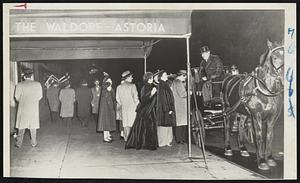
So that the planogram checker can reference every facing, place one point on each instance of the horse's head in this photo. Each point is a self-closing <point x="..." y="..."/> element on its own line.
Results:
<point x="276" y="54"/>
<point x="272" y="66"/>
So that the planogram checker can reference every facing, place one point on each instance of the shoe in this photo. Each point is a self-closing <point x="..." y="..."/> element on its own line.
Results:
<point x="17" y="146"/>
<point x="271" y="162"/>
<point x="107" y="141"/>
<point x="34" y="145"/>
<point x="109" y="138"/>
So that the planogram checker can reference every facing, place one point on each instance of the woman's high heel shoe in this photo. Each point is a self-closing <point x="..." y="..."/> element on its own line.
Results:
<point x="107" y="141"/>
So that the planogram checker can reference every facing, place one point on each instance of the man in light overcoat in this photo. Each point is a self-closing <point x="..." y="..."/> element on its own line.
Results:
<point x="28" y="94"/>
<point x="127" y="98"/>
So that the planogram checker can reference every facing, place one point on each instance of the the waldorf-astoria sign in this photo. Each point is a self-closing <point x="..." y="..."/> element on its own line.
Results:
<point x="33" y="24"/>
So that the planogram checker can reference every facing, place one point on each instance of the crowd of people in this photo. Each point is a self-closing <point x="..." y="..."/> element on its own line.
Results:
<point x="155" y="119"/>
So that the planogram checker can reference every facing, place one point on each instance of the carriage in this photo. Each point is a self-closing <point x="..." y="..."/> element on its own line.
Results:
<point x="256" y="96"/>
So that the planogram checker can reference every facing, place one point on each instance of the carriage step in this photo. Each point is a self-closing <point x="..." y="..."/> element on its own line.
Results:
<point x="213" y="127"/>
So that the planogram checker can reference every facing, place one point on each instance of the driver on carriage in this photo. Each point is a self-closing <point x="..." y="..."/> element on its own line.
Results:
<point x="211" y="69"/>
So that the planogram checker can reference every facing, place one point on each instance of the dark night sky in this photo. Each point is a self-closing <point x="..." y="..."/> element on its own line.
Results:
<point x="238" y="37"/>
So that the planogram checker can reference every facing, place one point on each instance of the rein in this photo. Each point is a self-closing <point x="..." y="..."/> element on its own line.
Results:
<point x="270" y="93"/>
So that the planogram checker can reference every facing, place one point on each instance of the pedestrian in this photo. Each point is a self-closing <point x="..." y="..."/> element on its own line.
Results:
<point x="28" y="94"/>
<point x="143" y="134"/>
<point x="96" y="91"/>
<point x="13" y="109"/>
<point x="166" y="117"/>
<point x="180" y="99"/>
<point x="53" y="101"/>
<point x="107" y="110"/>
<point x="84" y="98"/>
<point x="119" y="118"/>
<point x="127" y="98"/>
<point x="119" y="121"/>
<point x="67" y="99"/>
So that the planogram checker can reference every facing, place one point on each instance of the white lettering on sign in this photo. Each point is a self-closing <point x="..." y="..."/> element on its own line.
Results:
<point x="89" y="27"/>
<point x="73" y="27"/>
<point x="140" y="27"/>
<point x="26" y="26"/>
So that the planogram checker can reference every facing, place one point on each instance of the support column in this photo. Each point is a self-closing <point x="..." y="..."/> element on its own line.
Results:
<point x="145" y="63"/>
<point x="188" y="96"/>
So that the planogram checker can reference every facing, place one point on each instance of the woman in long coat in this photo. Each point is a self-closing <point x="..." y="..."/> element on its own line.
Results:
<point x="166" y="117"/>
<point x="180" y="96"/>
<point x="143" y="134"/>
<point x="107" y="110"/>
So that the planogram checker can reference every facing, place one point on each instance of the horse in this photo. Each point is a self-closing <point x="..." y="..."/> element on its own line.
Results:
<point x="259" y="96"/>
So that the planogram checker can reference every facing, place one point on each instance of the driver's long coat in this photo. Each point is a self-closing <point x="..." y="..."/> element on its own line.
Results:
<point x="28" y="93"/>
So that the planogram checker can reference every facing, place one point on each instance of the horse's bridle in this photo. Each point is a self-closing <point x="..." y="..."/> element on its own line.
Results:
<point x="259" y="82"/>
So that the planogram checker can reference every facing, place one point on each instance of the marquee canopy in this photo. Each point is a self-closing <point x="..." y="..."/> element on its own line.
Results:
<point x="38" y="35"/>
<point x="75" y="34"/>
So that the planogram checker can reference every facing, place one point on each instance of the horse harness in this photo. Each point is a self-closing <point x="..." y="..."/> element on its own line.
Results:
<point x="260" y="86"/>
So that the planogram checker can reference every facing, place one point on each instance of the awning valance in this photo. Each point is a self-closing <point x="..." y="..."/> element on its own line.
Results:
<point x="36" y="33"/>
<point x="77" y="49"/>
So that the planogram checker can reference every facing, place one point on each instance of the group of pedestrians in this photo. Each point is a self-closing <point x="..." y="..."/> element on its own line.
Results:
<point x="146" y="122"/>
<point x="160" y="112"/>
<point x="87" y="102"/>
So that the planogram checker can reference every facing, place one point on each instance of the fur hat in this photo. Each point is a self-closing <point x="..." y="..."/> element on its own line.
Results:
<point x="204" y="49"/>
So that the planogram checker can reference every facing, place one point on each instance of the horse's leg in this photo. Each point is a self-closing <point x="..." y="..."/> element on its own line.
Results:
<point x="258" y="126"/>
<point x="241" y="136"/>
<point x="269" y="139"/>
<point x="228" y="150"/>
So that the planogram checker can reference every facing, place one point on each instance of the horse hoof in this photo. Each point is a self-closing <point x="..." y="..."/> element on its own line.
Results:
<point x="271" y="162"/>
<point x="228" y="152"/>
<point x="263" y="166"/>
<point x="245" y="154"/>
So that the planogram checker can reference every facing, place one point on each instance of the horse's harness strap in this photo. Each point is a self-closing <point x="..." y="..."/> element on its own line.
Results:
<point x="270" y="93"/>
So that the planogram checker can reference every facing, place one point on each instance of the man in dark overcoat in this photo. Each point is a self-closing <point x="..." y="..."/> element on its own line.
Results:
<point x="84" y="98"/>
<point x="211" y="69"/>
<point x="53" y="101"/>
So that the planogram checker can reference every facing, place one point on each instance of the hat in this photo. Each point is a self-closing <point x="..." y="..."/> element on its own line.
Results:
<point x="66" y="83"/>
<point x="126" y="74"/>
<point x="181" y="72"/>
<point x="105" y="74"/>
<point x="204" y="49"/>
<point x="27" y="72"/>
<point x="172" y="76"/>
<point x="233" y="67"/>
<point x="105" y="78"/>
<point x="158" y="72"/>
<point x="83" y="82"/>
